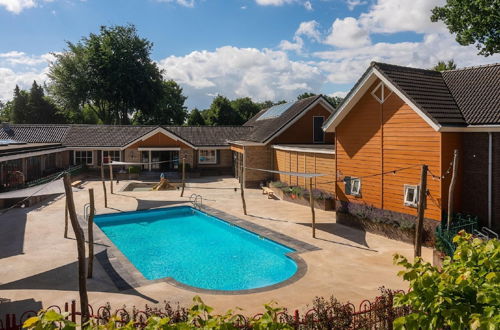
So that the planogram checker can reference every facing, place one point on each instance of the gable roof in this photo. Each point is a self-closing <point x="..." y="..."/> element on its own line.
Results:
<point x="34" y="133"/>
<point x="205" y="136"/>
<point x="454" y="99"/>
<point x="104" y="135"/>
<point x="267" y="126"/>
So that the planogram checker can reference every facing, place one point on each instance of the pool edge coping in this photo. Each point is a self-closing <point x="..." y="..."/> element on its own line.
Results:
<point x="126" y="276"/>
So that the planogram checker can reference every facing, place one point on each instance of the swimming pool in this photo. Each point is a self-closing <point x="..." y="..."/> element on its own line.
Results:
<point x="197" y="249"/>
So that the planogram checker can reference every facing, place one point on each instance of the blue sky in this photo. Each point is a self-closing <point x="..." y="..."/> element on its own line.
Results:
<point x="265" y="49"/>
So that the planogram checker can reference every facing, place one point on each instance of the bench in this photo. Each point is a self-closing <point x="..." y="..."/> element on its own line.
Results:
<point x="268" y="191"/>
<point x="76" y="183"/>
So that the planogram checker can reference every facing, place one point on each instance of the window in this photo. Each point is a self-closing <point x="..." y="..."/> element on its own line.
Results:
<point x="207" y="156"/>
<point x="83" y="157"/>
<point x="352" y="186"/>
<point x="411" y="195"/>
<point x="318" y="134"/>
<point x="110" y="155"/>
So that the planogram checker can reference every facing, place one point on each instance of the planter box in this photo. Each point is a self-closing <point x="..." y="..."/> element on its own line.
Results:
<point x="321" y="204"/>
<point x="383" y="229"/>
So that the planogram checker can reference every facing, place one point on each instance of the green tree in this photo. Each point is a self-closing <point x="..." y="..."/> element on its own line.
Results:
<point x="267" y="104"/>
<point x="245" y="107"/>
<point x="41" y="109"/>
<point x="443" y="66"/>
<point x="473" y="22"/>
<point x="195" y="118"/>
<point x="222" y="113"/>
<point x="5" y="111"/>
<point x="110" y="72"/>
<point x="169" y="110"/>
<point x="465" y="294"/>
<point x="305" y="95"/>
<point x="334" y="100"/>
<point x="20" y="109"/>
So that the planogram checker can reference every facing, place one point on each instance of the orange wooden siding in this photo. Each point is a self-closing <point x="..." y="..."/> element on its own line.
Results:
<point x="375" y="138"/>
<point x="236" y="148"/>
<point x="158" y="140"/>
<point x="292" y="161"/>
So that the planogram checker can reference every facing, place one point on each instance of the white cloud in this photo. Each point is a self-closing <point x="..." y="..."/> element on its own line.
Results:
<point x="390" y="16"/>
<point x="237" y="72"/>
<point x="185" y="3"/>
<point x="10" y="78"/>
<point x="347" y="33"/>
<point x="273" y="2"/>
<point x="294" y="46"/>
<point x="339" y="94"/>
<point x="16" y="6"/>
<point x="309" y="29"/>
<point x="308" y="5"/>
<point x="351" y="4"/>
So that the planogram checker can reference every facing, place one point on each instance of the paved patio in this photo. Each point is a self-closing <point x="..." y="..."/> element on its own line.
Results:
<point x="38" y="266"/>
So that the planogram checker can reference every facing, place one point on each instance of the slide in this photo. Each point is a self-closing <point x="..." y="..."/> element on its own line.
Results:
<point x="163" y="185"/>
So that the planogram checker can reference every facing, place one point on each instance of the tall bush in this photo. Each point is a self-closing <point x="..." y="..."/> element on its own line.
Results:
<point x="464" y="294"/>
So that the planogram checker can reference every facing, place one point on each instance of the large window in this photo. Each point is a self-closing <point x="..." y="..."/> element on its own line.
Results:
<point x="207" y="156"/>
<point x="110" y="155"/>
<point x="319" y="135"/>
<point x="83" y="157"/>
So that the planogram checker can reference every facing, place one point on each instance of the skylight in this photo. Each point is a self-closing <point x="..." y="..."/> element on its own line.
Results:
<point x="276" y="111"/>
<point x="10" y="141"/>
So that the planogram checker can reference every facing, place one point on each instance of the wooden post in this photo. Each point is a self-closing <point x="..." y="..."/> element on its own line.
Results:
<point x="65" y="218"/>
<point x="104" y="186"/>
<point x="90" y="224"/>
<point x="452" y="188"/>
<point x="111" y="177"/>
<point x="183" y="175"/>
<point x="311" y="202"/>
<point x="421" y="210"/>
<point x="80" y="243"/>
<point x="243" y="197"/>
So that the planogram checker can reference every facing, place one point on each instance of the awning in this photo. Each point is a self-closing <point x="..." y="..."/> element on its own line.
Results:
<point x="52" y="188"/>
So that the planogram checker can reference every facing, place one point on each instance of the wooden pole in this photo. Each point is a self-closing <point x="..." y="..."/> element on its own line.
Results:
<point x="90" y="229"/>
<point x="111" y="177"/>
<point x="243" y="197"/>
<point x="421" y="210"/>
<point x="80" y="244"/>
<point x="311" y="202"/>
<point x="183" y="175"/>
<point x="104" y="186"/>
<point x="452" y="188"/>
<point x="65" y="218"/>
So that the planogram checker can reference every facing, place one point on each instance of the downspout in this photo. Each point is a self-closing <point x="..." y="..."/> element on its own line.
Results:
<point x="490" y="177"/>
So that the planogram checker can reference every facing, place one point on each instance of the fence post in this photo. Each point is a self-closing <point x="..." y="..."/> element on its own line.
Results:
<point x="90" y="229"/>
<point x="183" y="175"/>
<point x="104" y="186"/>
<point x="421" y="210"/>
<point x="73" y="311"/>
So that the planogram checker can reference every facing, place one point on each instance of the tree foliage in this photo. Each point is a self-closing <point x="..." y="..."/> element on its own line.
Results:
<point x="443" y="66"/>
<point x="111" y="73"/>
<point x="245" y="108"/>
<point x="221" y="112"/>
<point x="465" y="294"/>
<point x="169" y="110"/>
<point x="195" y="118"/>
<point x="473" y="22"/>
<point x="31" y="107"/>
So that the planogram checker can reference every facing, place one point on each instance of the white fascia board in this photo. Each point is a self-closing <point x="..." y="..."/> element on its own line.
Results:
<point x="471" y="129"/>
<point x="31" y="154"/>
<point x="395" y="90"/>
<point x="95" y="148"/>
<point x="155" y="131"/>
<point x="247" y="143"/>
<point x="215" y="148"/>
<point x="159" y="149"/>
<point x="336" y="118"/>
<point x="320" y="100"/>
<point x="303" y="149"/>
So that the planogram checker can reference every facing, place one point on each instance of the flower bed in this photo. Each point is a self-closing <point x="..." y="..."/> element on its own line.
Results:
<point x="295" y="194"/>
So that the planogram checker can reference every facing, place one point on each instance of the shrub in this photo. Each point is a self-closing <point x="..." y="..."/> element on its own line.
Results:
<point x="278" y="184"/>
<point x="134" y="169"/>
<point x="464" y="294"/>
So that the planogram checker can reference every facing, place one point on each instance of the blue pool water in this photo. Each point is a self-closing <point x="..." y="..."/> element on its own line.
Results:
<point x="197" y="249"/>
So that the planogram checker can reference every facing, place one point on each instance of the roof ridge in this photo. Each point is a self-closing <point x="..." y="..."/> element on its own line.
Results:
<point x="474" y="67"/>
<point x="375" y="64"/>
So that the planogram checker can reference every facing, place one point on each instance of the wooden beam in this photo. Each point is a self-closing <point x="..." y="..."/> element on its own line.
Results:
<point x="65" y="218"/>
<point x="104" y="186"/>
<point x="111" y="177"/>
<point x="183" y="175"/>
<point x="422" y="201"/>
<point x="313" y="214"/>
<point x="243" y="202"/>
<point x="80" y="244"/>
<point x="90" y="229"/>
<point x="452" y="188"/>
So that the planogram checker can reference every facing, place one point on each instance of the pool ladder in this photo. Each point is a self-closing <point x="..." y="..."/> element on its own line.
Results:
<point x="86" y="211"/>
<point x="197" y="201"/>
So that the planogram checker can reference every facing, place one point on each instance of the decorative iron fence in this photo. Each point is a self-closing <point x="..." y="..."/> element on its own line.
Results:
<point x="377" y="314"/>
<point x="444" y="236"/>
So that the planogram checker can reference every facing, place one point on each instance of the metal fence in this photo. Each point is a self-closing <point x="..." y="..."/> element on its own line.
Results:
<point x="377" y="314"/>
<point x="444" y="236"/>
